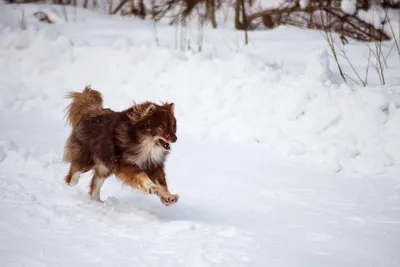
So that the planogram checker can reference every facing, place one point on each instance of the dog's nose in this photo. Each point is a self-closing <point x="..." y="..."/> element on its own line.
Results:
<point x="174" y="138"/>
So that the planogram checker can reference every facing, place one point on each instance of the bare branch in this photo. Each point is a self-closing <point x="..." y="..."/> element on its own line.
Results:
<point x="345" y="24"/>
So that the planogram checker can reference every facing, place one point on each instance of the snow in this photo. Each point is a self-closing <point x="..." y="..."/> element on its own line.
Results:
<point x="303" y="3"/>
<point x="278" y="162"/>
<point x="348" y="6"/>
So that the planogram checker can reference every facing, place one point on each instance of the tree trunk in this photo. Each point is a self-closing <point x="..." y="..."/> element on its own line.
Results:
<point x="238" y="25"/>
<point x="210" y="4"/>
<point x="142" y="11"/>
<point x="244" y="18"/>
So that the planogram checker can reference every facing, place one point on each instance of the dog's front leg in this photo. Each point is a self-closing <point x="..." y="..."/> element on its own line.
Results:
<point x="137" y="179"/>
<point x="158" y="176"/>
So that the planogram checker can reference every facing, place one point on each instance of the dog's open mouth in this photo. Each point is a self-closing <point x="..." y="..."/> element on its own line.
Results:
<point x="164" y="144"/>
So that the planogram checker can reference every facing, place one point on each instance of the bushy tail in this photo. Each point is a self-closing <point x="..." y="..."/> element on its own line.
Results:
<point x="82" y="104"/>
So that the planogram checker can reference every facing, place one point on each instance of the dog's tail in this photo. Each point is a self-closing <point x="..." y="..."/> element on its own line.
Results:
<point x="83" y="103"/>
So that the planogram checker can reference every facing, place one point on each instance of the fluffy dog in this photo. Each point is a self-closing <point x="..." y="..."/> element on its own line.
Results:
<point x="132" y="144"/>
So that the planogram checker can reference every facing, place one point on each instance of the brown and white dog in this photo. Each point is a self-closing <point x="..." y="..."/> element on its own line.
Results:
<point x="132" y="144"/>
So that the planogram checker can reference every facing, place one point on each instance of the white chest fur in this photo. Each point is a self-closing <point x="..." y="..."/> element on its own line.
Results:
<point x="148" y="152"/>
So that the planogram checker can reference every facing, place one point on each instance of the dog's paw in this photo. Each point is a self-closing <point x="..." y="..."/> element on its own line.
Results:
<point x="98" y="200"/>
<point x="73" y="180"/>
<point x="150" y="188"/>
<point x="95" y="198"/>
<point x="169" y="199"/>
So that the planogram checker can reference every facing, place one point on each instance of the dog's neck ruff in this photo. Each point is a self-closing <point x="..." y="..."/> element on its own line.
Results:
<point x="148" y="153"/>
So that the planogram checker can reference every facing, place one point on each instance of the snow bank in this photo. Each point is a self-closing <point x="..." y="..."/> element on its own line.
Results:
<point x="311" y="116"/>
<point x="300" y="217"/>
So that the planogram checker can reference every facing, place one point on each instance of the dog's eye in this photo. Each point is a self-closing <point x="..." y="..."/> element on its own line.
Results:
<point x="162" y="126"/>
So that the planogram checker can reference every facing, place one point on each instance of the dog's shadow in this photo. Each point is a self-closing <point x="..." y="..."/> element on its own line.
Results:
<point x="151" y="208"/>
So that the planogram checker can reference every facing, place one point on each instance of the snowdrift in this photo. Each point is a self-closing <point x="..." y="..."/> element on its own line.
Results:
<point x="310" y="116"/>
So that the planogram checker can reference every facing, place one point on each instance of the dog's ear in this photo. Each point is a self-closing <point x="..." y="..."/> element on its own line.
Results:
<point x="141" y="111"/>
<point x="149" y="110"/>
<point x="170" y="107"/>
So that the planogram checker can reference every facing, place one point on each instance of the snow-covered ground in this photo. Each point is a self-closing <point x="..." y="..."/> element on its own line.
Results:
<point x="278" y="163"/>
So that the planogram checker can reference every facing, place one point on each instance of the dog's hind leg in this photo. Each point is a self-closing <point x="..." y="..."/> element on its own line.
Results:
<point x="80" y="160"/>
<point x="95" y="187"/>
<point x="75" y="170"/>
<point x="101" y="173"/>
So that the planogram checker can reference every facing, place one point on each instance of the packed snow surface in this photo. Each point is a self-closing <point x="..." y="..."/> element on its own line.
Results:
<point x="278" y="162"/>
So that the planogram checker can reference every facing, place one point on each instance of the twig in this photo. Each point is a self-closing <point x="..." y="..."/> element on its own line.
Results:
<point x="378" y="58"/>
<point x="388" y="54"/>
<point x="351" y="65"/>
<point x="329" y="39"/>
<point x="378" y="47"/>
<point x="396" y="41"/>
<point x="183" y="34"/>
<point x="367" y="68"/>
<point x="23" y="21"/>
<point x="176" y="35"/>
<point x="155" y="32"/>
<point x="200" y="35"/>
<point x="119" y="6"/>
<point x="64" y="10"/>
<point x="354" y="81"/>
<point x="376" y="64"/>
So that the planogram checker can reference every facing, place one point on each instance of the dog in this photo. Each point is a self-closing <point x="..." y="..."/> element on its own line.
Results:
<point x="132" y="144"/>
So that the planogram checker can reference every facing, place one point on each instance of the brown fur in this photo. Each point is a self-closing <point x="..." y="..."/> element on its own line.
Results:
<point x="132" y="144"/>
<point x="83" y="103"/>
<point x="137" y="179"/>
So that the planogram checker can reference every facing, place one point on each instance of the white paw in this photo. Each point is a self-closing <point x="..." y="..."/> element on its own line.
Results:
<point x="74" y="179"/>
<point x="73" y="182"/>
<point x="95" y="198"/>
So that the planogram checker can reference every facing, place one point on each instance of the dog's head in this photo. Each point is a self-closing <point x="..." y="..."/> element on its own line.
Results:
<point x="157" y="122"/>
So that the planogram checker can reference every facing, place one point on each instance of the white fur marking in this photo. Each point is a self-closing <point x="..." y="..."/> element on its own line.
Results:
<point x="148" y="152"/>
<point x="98" y="183"/>
<point x="102" y="170"/>
<point x="75" y="178"/>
